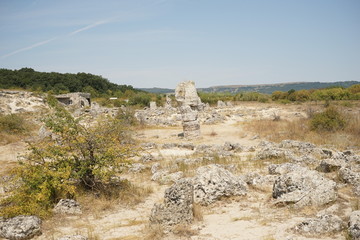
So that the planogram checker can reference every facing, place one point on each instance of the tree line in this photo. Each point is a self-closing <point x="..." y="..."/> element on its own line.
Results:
<point x="57" y="83"/>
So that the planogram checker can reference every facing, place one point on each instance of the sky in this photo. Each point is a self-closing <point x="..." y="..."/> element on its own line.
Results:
<point x="159" y="43"/>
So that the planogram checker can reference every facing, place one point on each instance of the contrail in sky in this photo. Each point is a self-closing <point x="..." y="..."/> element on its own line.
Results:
<point x="29" y="47"/>
<point x="52" y="39"/>
<point x="87" y="27"/>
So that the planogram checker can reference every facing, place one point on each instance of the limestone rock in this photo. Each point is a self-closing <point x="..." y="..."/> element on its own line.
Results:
<point x="68" y="206"/>
<point x="330" y="165"/>
<point x="20" y="227"/>
<point x="323" y="224"/>
<point x="177" y="207"/>
<point x="304" y="187"/>
<point x="164" y="177"/>
<point x="351" y="177"/>
<point x="186" y="94"/>
<point x="354" y="225"/>
<point x="137" y="167"/>
<point x="213" y="182"/>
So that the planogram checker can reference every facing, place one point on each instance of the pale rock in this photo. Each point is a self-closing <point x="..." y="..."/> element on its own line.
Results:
<point x="213" y="182"/>
<point x="20" y="227"/>
<point x="67" y="206"/>
<point x="323" y="224"/>
<point x="177" y="207"/>
<point x="354" y="225"/>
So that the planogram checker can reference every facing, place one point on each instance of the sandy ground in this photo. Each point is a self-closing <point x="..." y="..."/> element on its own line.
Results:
<point x="243" y="218"/>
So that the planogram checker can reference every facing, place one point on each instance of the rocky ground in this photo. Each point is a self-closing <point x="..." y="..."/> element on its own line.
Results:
<point x="228" y="184"/>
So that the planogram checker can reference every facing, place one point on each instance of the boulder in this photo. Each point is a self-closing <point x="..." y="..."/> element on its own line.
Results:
<point x="303" y="187"/>
<point x="354" y="225"/>
<point x="323" y="224"/>
<point x="164" y="177"/>
<point x="186" y="94"/>
<point x="137" y="167"/>
<point x="20" y="227"/>
<point x="68" y="206"/>
<point x="280" y="169"/>
<point x="349" y="176"/>
<point x="177" y="207"/>
<point x="213" y="182"/>
<point x="330" y="165"/>
<point x="221" y="104"/>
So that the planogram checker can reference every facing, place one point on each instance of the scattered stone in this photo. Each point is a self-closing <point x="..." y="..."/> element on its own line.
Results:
<point x="137" y="168"/>
<point x="68" y="206"/>
<point x="147" y="157"/>
<point x="330" y="165"/>
<point x="221" y="104"/>
<point x="177" y="207"/>
<point x="304" y="187"/>
<point x="354" y="225"/>
<point x="164" y="177"/>
<point x="155" y="167"/>
<point x="324" y="224"/>
<point x="349" y="176"/>
<point x="213" y="182"/>
<point x="20" y="227"/>
<point x="232" y="147"/>
<point x="280" y="169"/>
<point x="148" y="145"/>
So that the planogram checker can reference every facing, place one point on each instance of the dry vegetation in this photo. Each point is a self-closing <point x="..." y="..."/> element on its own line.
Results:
<point x="278" y="129"/>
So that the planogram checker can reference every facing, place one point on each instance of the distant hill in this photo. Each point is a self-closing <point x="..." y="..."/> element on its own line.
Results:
<point x="157" y="90"/>
<point x="264" y="88"/>
<point x="28" y="78"/>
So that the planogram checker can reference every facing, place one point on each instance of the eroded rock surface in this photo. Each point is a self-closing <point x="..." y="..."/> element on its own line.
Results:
<point x="20" y="227"/>
<point x="354" y="225"/>
<point x="303" y="187"/>
<point x="177" y="207"/>
<point x="213" y="182"/>
<point x="323" y="224"/>
<point x="68" y="206"/>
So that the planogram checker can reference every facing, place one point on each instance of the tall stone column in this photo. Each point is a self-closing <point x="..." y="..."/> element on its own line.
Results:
<point x="190" y="103"/>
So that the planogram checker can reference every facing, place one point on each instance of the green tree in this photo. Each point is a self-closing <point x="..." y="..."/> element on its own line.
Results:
<point x="77" y="156"/>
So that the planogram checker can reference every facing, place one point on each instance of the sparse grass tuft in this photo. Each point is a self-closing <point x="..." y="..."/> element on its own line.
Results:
<point x="198" y="213"/>
<point x="183" y="230"/>
<point x="154" y="232"/>
<point x="213" y="133"/>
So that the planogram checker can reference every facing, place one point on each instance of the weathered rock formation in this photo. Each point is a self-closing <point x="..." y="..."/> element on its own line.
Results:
<point x="303" y="187"/>
<point x="354" y="225"/>
<point x="190" y="104"/>
<point x="177" y="207"/>
<point x="20" y="227"/>
<point x="67" y="206"/>
<point x="213" y="182"/>
<point x="324" y="224"/>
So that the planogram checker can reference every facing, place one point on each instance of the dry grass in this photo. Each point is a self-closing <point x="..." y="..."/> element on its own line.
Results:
<point x="198" y="212"/>
<point x="299" y="129"/>
<point x="153" y="232"/>
<point x="183" y="230"/>
<point x="129" y="196"/>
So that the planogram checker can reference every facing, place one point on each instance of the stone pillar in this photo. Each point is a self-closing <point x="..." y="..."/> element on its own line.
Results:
<point x="153" y="106"/>
<point x="186" y="95"/>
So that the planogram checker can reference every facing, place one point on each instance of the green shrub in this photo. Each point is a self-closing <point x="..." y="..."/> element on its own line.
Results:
<point x="86" y="157"/>
<point x="12" y="123"/>
<point x="329" y="120"/>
